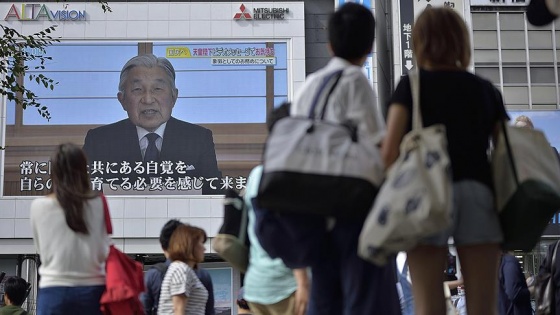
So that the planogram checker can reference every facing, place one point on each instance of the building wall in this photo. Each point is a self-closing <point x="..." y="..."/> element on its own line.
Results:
<point x="316" y="37"/>
<point x="384" y="47"/>
<point x="137" y="220"/>
<point x="521" y="59"/>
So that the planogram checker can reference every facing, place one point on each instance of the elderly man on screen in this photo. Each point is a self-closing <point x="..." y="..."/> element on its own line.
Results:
<point x="151" y="150"/>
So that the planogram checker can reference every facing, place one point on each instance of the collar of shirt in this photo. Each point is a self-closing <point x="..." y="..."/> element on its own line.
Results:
<point x="337" y="63"/>
<point x="144" y="141"/>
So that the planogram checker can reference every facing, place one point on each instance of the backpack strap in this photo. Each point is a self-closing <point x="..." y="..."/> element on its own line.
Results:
<point x="337" y="74"/>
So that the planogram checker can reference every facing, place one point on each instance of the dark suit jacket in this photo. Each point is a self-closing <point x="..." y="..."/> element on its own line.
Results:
<point x="182" y="141"/>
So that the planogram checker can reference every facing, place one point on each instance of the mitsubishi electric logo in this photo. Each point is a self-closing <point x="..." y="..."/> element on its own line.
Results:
<point x="261" y="13"/>
<point x="242" y="14"/>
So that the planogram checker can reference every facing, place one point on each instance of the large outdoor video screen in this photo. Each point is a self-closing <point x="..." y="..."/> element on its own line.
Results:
<point x="210" y="125"/>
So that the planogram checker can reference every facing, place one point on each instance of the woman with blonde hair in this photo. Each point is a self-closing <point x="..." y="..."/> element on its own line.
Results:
<point x="471" y="109"/>
<point x="181" y="290"/>
<point x="70" y="237"/>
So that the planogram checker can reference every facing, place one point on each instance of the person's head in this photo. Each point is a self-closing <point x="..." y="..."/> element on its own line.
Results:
<point x="147" y="90"/>
<point x="440" y="39"/>
<point x="351" y="32"/>
<point x="242" y="305"/>
<point x="187" y="244"/>
<point x="15" y="289"/>
<point x="167" y="231"/>
<point x="71" y="183"/>
<point x="523" y="122"/>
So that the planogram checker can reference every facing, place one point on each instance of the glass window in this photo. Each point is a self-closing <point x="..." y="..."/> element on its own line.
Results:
<point x="485" y="40"/>
<point x="540" y="39"/>
<point x="541" y="56"/>
<point x="515" y="75"/>
<point x="543" y="95"/>
<point x="518" y="56"/>
<point x="513" y="39"/>
<point x="492" y="74"/>
<point x="11" y="112"/>
<point x="486" y="56"/>
<point x="542" y="75"/>
<point x="531" y="27"/>
<point x="484" y="21"/>
<point x="281" y="82"/>
<point x="512" y="21"/>
<point x="557" y="35"/>
<point x="516" y="95"/>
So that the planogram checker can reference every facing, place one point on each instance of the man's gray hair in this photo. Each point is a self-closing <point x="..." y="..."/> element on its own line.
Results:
<point x="149" y="61"/>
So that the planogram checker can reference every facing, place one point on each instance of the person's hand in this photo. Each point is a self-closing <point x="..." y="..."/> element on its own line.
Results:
<point x="302" y="291"/>
<point x="302" y="299"/>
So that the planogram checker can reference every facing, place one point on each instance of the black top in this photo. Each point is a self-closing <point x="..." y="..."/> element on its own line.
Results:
<point x="468" y="106"/>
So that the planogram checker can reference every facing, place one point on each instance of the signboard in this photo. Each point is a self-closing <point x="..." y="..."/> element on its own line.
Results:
<point x="456" y="5"/>
<point x="409" y="10"/>
<point x="222" y="282"/>
<point x="407" y="20"/>
<point x="494" y="3"/>
<point x="225" y="90"/>
<point x="261" y="13"/>
<point x="224" y="56"/>
<point x="39" y="12"/>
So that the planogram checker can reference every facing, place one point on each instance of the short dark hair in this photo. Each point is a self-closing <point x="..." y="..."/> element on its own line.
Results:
<point x="15" y="288"/>
<point x="167" y="231"/>
<point x="351" y="31"/>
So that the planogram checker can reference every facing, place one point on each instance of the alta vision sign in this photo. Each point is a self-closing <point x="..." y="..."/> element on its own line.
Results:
<point x="35" y="12"/>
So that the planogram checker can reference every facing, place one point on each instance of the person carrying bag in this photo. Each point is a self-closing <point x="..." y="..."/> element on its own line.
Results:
<point x="125" y="279"/>
<point x="315" y="166"/>
<point x="527" y="184"/>
<point x="415" y="200"/>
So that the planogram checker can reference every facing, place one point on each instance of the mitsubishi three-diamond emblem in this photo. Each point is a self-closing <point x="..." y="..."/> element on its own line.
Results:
<point x="243" y="14"/>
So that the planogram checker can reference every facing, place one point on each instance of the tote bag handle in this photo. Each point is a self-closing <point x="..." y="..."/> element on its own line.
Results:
<point x="336" y="75"/>
<point x="507" y="142"/>
<point x="414" y="77"/>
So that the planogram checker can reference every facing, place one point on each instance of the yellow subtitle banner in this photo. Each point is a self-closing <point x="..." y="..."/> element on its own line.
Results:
<point x="177" y="52"/>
